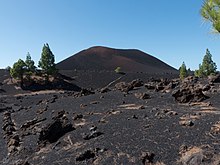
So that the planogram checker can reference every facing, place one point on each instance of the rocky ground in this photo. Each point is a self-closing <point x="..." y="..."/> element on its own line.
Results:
<point x="146" y="121"/>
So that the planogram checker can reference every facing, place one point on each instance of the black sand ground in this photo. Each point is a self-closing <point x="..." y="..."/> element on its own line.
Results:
<point x="107" y="128"/>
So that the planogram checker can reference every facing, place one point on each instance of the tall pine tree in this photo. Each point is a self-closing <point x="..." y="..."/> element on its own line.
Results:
<point x="207" y="67"/>
<point x="183" y="71"/>
<point x="30" y="63"/>
<point x="47" y="61"/>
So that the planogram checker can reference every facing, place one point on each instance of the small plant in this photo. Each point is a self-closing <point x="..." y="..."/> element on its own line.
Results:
<point x="118" y="70"/>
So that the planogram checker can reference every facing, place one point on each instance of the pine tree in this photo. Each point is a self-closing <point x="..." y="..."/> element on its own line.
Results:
<point x="183" y="71"/>
<point x="207" y="67"/>
<point x="199" y="72"/>
<point x="47" y="61"/>
<point x="18" y="70"/>
<point x="29" y="63"/>
<point x="211" y="12"/>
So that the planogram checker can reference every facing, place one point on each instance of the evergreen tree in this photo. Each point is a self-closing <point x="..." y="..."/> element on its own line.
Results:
<point x="208" y="67"/>
<point x="18" y="70"/>
<point x="183" y="71"/>
<point x="211" y="12"/>
<point x="29" y="63"/>
<point x="47" y="61"/>
<point x="199" y="72"/>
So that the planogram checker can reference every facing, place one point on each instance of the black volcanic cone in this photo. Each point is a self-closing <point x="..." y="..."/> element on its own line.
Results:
<point x="103" y="58"/>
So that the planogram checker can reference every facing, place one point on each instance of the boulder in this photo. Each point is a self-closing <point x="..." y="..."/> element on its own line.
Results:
<point x="124" y="87"/>
<point x="137" y="83"/>
<point x="56" y="129"/>
<point x="214" y="78"/>
<point x="142" y="96"/>
<point x="189" y="94"/>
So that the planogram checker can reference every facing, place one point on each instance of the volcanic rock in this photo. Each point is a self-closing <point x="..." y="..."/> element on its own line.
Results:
<point x="147" y="157"/>
<point x="84" y="92"/>
<point x="189" y="94"/>
<point x="137" y="83"/>
<point x="53" y="131"/>
<point x="214" y="78"/>
<point x="142" y="96"/>
<point x="88" y="154"/>
<point x="124" y="87"/>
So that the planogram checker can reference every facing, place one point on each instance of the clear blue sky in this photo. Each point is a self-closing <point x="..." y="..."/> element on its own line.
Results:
<point x="171" y="30"/>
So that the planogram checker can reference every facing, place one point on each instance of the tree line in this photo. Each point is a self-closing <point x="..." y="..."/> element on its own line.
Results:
<point x="208" y="67"/>
<point x="46" y="65"/>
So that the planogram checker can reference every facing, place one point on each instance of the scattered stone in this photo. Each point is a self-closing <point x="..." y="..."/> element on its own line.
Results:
<point x="92" y="135"/>
<point x="4" y="107"/>
<point x="150" y="86"/>
<point x="40" y="111"/>
<point x="78" y="116"/>
<point x="30" y="123"/>
<point x="102" y="120"/>
<point x="164" y="113"/>
<point x="134" y="117"/>
<point x="22" y="162"/>
<point x="123" y="87"/>
<point x="186" y="123"/>
<point x="147" y="158"/>
<point x="19" y="97"/>
<point x="53" y="99"/>
<point x="99" y="150"/>
<point x="59" y="115"/>
<point x="206" y="87"/>
<point x="214" y="78"/>
<point x="137" y="83"/>
<point x="83" y="106"/>
<point x="14" y="141"/>
<point x="94" y="102"/>
<point x="159" y="87"/>
<point x="84" y="92"/>
<point x="192" y="156"/>
<point x="142" y="96"/>
<point x="215" y="129"/>
<point x="88" y="154"/>
<point x="93" y="128"/>
<point x="202" y="155"/>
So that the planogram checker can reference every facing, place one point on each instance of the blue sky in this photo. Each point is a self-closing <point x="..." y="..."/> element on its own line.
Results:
<point x="171" y="30"/>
